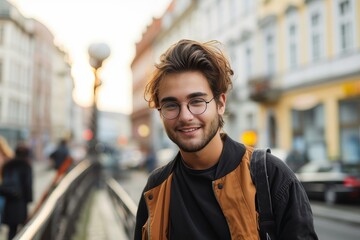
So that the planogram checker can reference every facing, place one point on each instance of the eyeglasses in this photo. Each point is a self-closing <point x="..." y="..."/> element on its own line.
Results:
<point x="171" y="110"/>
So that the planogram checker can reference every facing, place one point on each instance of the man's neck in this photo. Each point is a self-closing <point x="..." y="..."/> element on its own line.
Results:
<point x="206" y="157"/>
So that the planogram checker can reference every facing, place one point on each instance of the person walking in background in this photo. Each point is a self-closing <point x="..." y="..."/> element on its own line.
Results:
<point x="19" y="171"/>
<point x="150" y="159"/>
<point x="60" y="154"/>
<point x="207" y="192"/>
<point x="6" y="153"/>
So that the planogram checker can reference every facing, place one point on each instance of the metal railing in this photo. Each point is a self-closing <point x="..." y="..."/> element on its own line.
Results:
<point x="55" y="219"/>
<point x="123" y="205"/>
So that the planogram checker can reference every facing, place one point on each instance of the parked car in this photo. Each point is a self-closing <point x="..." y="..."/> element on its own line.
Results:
<point x="131" y="159"/>
<point x="331" y="181"/>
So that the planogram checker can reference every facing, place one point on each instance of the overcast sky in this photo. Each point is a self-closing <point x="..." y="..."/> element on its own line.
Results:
<point x="78" y="23"/>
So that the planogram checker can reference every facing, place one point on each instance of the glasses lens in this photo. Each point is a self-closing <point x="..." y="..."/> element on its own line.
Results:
<point x="197" y="106"/>
<point x="170" y="110"/>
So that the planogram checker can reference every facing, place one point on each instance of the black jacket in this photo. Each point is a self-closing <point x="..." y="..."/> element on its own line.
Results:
<point x="15" y="211"/>
<point x="291" y="207"/>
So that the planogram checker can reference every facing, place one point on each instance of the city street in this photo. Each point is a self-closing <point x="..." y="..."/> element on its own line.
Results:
<point x="331" y="222"/>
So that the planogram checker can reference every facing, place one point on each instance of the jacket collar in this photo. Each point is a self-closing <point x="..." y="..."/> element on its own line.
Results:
<point x="230" y="157"/>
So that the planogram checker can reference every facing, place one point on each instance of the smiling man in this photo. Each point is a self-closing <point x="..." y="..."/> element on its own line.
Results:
<point x="206" y="192"/>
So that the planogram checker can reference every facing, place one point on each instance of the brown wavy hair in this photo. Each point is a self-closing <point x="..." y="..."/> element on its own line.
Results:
<point x="190" y="55"/>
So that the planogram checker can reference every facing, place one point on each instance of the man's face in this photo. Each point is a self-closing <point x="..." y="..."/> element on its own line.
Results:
<point x="189" y="131"/>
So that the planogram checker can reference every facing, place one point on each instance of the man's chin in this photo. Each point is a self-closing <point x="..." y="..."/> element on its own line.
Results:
<point x="190" y="147"/>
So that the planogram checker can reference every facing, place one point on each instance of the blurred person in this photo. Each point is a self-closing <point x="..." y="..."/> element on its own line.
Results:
<point x="19" y="171"/>
<point x="150" y="159"/>
<point x="60" y="154"/>
<point x="6" y="153"/>
<point x="207" y="192"/>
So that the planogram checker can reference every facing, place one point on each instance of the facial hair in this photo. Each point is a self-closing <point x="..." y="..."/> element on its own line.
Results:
<point x="209" y="135"/>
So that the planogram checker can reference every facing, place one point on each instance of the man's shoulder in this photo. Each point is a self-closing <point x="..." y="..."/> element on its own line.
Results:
<point x="160" y="174"/>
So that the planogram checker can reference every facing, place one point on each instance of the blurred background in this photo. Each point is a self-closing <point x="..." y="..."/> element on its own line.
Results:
<point x="296" y="84"/>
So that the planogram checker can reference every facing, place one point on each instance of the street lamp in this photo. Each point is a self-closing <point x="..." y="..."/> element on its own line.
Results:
<point x="98" y="52"/>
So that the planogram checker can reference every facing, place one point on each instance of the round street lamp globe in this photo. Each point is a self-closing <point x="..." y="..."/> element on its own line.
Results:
<point x="98" y="52"/>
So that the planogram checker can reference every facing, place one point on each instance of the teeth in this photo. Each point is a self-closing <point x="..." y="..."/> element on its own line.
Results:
<point x="189" y="130"/>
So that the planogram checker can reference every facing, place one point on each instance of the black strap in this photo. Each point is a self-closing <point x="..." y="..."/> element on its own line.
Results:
<point x="260" y="178"/>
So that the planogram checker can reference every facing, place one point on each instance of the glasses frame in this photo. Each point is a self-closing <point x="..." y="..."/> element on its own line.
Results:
<point x="187" y="106"/>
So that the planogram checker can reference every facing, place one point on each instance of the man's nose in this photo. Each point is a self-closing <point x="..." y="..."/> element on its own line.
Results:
<point x="185" y="113"/>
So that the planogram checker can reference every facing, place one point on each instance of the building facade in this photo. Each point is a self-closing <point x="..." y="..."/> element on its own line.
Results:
<point x="296" y="63"/>
<point x="16" y="74"/>
<point x="143" y="133"/>
<point x="36" y="103"/>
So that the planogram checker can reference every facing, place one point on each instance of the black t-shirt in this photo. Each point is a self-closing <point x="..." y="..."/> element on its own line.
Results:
<point x="194" y="210"/>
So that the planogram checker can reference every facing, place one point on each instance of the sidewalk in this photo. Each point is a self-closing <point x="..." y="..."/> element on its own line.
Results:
<point x="345" y="213"/>
<point x="98" y="220"/>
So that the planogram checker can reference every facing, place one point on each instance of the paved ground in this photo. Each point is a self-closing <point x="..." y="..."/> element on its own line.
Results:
<point x="98" y="221"/>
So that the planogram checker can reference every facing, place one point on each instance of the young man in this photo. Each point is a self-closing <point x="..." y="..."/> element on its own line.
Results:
<point x="206" y="192"/>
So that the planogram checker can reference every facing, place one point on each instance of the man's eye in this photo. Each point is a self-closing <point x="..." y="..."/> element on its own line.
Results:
<point x="170" y="106"/>
<point x="196" y="102"/>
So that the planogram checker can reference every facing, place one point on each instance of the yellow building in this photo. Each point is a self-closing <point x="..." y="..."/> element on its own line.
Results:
<point x="309" y="89"/>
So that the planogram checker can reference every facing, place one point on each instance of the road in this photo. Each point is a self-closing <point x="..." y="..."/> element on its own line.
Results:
<point x="327" y="228"/>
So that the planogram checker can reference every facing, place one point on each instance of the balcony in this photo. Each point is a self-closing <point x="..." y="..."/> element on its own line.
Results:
<point x="263" y="90"/>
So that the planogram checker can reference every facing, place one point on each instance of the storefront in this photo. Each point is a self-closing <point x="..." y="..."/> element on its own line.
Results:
<point x="321" y="122"/>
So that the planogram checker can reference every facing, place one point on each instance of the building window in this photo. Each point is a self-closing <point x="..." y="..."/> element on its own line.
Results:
<point x="316" y="36"/>
<point x="248" y="62"/>
<point x="270" y="54"/>
<point x="292" y="46"/>
<point x="345" y="27"/>
<point x="1" y="71"/>
<point x="316" y="25"/>
<point x="308" y="133"/>
<point x="292" y="35"/>
<point x="349" y="116"/>
<point x="1" y="34"/>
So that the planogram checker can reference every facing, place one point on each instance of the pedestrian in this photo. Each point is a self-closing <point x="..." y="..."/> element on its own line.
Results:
<point x="206" y="192"/>
<point x="60" y="154"/>
<point x="19" y="171"/>
<point x="6" y="153"/>
<point x="150" y="159"/>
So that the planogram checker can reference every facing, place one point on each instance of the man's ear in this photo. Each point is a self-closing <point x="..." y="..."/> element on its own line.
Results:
<point x="221" y="104"/>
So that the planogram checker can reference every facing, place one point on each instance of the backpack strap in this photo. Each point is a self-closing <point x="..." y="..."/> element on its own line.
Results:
<point x="260" y="178"/>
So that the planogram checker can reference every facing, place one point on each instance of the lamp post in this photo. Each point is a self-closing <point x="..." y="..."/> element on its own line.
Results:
<point x="98" y="52"/>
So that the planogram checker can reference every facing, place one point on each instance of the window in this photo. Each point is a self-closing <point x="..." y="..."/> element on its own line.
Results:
<point x="349" y="116"/>
<point x="309" y="134"/>
<point x="292" y="35"/>
<point x="292" y="46"/>
<point x="1" y="71"/>
<point x="316" y="36"/>
<point x="316" y="26"/>
<point x="345" y="24"/>
<point x="246" y="6"/>
<point x="248" y="62"/>
<point x="1" y="34"/>
<point x="270" y="54"/>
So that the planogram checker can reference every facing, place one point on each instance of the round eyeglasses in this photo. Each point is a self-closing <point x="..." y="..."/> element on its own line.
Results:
<point x="171" y="110"/>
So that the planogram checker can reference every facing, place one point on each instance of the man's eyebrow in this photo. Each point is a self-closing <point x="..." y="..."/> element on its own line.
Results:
<point x="196" y="94"/>
<point x="168" y="99"/>
<point x="191" y="95"/>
